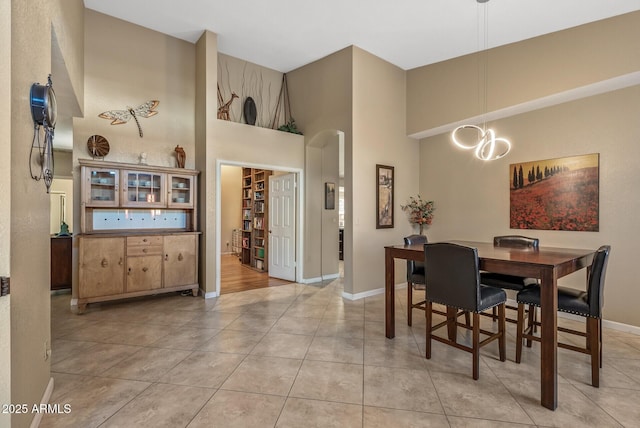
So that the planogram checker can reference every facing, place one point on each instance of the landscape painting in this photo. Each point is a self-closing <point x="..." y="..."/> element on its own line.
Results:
<point x="556" y="194"/>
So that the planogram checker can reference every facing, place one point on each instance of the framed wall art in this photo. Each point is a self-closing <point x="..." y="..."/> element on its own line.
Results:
<point x="555" y="194"/>
<point x="329" y="196"/>
<point x="384" y="197"/>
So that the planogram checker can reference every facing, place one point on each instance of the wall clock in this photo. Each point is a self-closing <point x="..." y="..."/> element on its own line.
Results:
<point x="42" y="100"/>
<point x="98" y="146"/>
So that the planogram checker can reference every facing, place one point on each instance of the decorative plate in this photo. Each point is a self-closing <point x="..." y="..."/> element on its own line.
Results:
<point x="98" y="146"/>
<point x="250" y="111"/>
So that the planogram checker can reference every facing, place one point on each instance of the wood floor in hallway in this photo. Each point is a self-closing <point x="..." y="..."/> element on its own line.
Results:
<point x="235" y="277"/>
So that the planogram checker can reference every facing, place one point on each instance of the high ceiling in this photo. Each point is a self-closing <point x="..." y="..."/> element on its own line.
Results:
<point x="286" y="34"/>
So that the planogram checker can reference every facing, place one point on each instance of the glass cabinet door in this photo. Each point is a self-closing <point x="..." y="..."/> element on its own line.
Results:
<point x="102" y="188"/>
<point x="180" y="191"/>
<point x="143" y="188"/>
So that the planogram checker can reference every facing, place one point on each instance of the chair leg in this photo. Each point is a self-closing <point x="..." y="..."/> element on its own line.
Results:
<point x="409" y="302"/>
<point x="531" y="322"/>
<point x="593" y="326"/>
<point x="494" y="313"/>
<point x="520" y="328"/>
<point x="429" y="317"/>
<point x="476" y="345"/>
<point x="467" y="318"/>
<point x="502" y="340"/>
<point x="600" y="335"/>
<point x="535" y="318"/>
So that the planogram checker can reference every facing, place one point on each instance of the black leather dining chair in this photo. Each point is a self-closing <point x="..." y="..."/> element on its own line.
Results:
<point x="415" y="277"/>
<point x="587" y="304"/>
<point x="453" y="279"/>
<point x="511" y="282"/>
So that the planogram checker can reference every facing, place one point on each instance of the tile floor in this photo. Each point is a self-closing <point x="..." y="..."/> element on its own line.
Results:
<point x="301" y="356"/>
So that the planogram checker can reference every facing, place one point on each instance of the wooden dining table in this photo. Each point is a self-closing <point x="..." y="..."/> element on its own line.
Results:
<point x="545" y="263"/>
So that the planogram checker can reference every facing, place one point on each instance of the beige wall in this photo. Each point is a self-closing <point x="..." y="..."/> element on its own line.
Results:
<point x="29" y="219"/>
<point x="5" y="203"/>
<point x="364" y="96"/>
<point x="230" y="205"/>
<point x="249" y="80"/>
<point x="472" y="197"/>
<point x="606" y="124"/>
<point x="321" y="102"/>
<point x="63" y="166"/>
<point x="127" y="65"/>
<point x="206" y="110"/>
<point x="379" y="137"/>
<point x="447" y="92"/>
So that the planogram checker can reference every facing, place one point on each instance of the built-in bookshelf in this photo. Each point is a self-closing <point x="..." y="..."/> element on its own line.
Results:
<point x="255" y="218"/>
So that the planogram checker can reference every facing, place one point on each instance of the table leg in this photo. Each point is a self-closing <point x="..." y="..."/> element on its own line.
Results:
<point x="389" y="295"/>
<point x="549" y="343"/>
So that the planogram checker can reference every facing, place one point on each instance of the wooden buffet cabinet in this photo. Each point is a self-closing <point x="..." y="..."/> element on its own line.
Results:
<point x="139" y="233"/>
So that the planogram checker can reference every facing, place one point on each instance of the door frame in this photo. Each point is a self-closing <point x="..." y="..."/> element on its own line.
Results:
<point x="299" y="212"/>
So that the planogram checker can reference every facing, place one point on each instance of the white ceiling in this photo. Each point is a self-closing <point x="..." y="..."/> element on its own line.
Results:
<point x="286" y="34"/>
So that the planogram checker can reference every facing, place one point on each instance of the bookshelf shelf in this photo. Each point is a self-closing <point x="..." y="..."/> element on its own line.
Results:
<point x="255" y="218"/>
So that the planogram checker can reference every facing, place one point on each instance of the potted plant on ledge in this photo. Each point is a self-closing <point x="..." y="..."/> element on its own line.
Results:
<point x="420" y="212"/>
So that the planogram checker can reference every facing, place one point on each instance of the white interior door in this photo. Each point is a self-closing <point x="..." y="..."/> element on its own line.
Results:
<point x="282" y="226"/>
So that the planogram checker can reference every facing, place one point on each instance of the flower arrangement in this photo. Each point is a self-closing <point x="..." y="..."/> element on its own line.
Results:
<point x="420" y="212"/>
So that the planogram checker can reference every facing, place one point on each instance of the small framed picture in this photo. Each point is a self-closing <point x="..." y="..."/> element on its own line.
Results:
<point x="329" y="196"/>
<point x="384" y="197"/>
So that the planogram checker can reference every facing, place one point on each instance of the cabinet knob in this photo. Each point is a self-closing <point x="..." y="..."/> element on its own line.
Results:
<point x="180" y="257"/>
<point x="144" y="269"/>
<point x="144" y="240"/>
<point x="129" y="271"/>
<point x="144" y="250"/>
<point x="120" y="262"/>
<point x="104" y="263"/>
<point x="166" y="257"/>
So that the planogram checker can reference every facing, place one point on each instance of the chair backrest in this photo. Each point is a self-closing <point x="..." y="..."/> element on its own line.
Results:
<point x="515" y="241"/>
<point x="595" y="281"/>
<point x="412" y="266"/>
<point x="452" y="275"/>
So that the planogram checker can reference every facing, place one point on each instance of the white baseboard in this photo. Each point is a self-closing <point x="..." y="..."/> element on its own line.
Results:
<point x="210" y="294"/>
<point x="331" y="276"/>
<point x="35" y="422"/>
<point x="311" y="280"/>
<point x="370" y="293"/>
<point x="613" y="325"/>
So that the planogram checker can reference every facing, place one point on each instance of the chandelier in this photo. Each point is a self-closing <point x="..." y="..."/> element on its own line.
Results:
<point x="487" y="146"/>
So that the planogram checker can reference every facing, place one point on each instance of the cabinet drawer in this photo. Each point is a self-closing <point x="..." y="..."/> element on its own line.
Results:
<point x="144" y="240"/>
<point x="144" y="250"/>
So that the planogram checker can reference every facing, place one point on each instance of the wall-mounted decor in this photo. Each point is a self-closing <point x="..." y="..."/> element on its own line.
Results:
<point x="329" y="196"/>
<point x="42" y="99"/>
<point x="384" y="197"/>
<point x="555" y="194"/>
<point x="98" y="146"/>
<point x="250" y="111"/>
<point x="119" y="117"/>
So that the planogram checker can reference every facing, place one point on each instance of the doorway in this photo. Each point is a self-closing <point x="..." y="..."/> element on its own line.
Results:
<point x="232" y="238"/>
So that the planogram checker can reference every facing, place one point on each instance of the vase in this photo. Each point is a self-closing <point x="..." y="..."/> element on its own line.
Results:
<point x="421" y="227"/>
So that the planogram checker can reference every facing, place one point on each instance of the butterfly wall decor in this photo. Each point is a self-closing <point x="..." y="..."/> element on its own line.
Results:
<point x="118" y="117"/>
